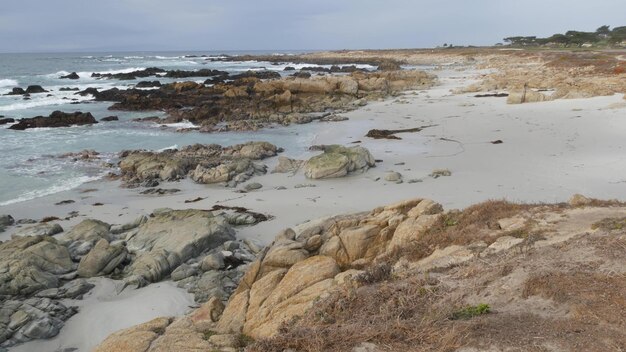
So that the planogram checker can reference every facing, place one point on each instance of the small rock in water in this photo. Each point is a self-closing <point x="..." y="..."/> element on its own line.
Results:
<point x="6" y="220"/>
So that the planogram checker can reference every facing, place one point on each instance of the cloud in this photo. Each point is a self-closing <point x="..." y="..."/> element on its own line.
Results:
<point x="62" y="25"/>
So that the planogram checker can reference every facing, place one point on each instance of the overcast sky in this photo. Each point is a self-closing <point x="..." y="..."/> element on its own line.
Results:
<point x="136" y="25"/>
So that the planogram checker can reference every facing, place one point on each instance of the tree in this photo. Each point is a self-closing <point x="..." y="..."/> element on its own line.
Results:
<point x="603" y="30"/>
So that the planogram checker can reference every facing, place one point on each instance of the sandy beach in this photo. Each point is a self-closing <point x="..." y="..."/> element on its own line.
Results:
<point x="549" y="151"/>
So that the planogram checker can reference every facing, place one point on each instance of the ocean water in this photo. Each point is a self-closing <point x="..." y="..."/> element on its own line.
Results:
<point x="29" y="162"/>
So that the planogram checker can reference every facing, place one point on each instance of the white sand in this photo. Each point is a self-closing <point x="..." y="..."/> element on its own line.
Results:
<point x="550" y="151"/>
<point x="103" y="311"/>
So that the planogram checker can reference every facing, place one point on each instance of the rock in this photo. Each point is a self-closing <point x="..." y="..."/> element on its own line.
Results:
<point x="45" y="229"/>
<point x="72" y="75"/>
<point x="6" y="220"/>
<point x="34" y="89"/>
<point x="389" y="66"/>
<point x="31" y="264"/>
<point x="440" y="172"/>
<point x="503" y="243"/>
<point x="56" y="119"/>
<point x="171" y="238"/>
<point x="75" y="289"/>
<point x="135" y="339"/>
<point x="102" y="259"/>
<point x="286" y="164"/>
<point x="17" y="91"/>
<point x="527" y="96"/>
<point x="109" y="118"/>
<point x="211" y="311"/>
<point x="4" y="121"/>
<point x="253" y="186"/>
<point x="183" y="271"/>
<point x="82" y="237"/>
<point x="128" y="226"/>
<point x="393" y="176"/>
<point x="213" y="261"/>
<point x="148" y="84"/>
<point x="338" y="161"/>
<point x="160" y="191"/>
<point x="411" y="230"/>
<point x="578" y="200"/>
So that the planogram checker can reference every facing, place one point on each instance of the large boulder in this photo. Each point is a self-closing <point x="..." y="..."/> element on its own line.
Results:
<point x="31" y="264"/>
<point x="44" y="229"/>
<point x="338" y="161"/>
<point x="102" y="259"/>
<point x="56" y="119"/>
<point x="171" y="238"/>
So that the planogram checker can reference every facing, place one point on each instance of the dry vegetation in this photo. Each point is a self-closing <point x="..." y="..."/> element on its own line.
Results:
<point x="564" y="297"/>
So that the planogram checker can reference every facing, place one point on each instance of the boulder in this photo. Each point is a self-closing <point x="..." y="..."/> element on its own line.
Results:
<point x="44" y="229"/>
<point x="109" y="118"/>
<point x="286" y="164"/>
<point x="6" y="220"/>
<point x="338" y="161"/>
<point x="31" y="264"/>
<point x="34" y="89"/>
<point x="169" y="239"/>
<point x="102" y="259"/>
<point x="72" y="75"/>
<point x="56" y="119"/>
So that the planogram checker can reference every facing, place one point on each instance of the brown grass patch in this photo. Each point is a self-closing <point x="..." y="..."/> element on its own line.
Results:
<point x="476" y="223"/>
<point x="592" y="296"/>
<point x="401" y="315"/>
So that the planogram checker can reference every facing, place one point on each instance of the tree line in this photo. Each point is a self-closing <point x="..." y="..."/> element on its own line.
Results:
<point x="602" y="36"/>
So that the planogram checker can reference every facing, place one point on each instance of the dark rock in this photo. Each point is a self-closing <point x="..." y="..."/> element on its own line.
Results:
<point x="302" y="74"/>
<point x="64" y="202"/>
<point x="35" y="89"/>
<point x="92" y="91"/>
<point x="494" y="95"/>
<point x="17" y="91"/>
<point x="6" y="220"/>
<point x="160" y="191"/>
<point x="289" y="68"/>
<point x="148" y="84"/>
<point x="56" y="119"/>
<point x="109" y="118"/>
<point x="68" y="89"/>
<point x="6" y="120"/>
<point x="150" y="71"/>
<point x="72" y="75"/>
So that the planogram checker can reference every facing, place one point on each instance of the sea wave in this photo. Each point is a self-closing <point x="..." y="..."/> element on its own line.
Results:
<point x="87" y="74"/>
<point x="40" y="102"/>
<point x="8" y="83"/>
<point x="64" y="185"/>
<point x="171" y="147"/>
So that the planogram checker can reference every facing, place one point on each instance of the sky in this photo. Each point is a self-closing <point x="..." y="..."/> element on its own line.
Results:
<point x="157" y="25"/>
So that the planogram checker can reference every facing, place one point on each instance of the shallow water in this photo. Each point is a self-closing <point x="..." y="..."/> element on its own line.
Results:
<point x="29" y="163"/>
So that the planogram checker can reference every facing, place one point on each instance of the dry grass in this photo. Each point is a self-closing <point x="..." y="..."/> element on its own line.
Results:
<point x="398" y="315"/>
<point x="475" y="223"/>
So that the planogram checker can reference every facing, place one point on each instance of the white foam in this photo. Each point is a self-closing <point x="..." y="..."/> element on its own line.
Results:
<point x="26" y="104"/>
<point x="8" y="83"/>
<point x="133" y="57"/>
<point x="56" y="188"/>
<point x="171" y="147"/>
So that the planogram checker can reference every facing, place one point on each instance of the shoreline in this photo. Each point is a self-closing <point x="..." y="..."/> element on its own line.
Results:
<point x="573" y="141"/>
<point x="459" y="141"/>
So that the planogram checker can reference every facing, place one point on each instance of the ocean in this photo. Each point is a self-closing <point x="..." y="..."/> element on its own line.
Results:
<point x="30" y="166"/>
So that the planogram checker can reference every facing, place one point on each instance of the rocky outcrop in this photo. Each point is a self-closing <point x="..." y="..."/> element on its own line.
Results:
<point x="249" y="101"/>
<point x="34" y="89"/>
<point x="102" y="259"/>
<point x="338" y="161"/>
<point x="204" y="163"/>
<point x="31" y="264"/>
<point x="56" y="119"/>
<point x="169" y="239"/>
